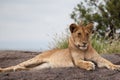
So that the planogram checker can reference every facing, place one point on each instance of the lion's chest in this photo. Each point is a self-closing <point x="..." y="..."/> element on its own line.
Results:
<point x="78" y="55"/>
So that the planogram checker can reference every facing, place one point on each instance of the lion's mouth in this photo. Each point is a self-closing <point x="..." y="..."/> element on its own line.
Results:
<point x="82" y="47"/>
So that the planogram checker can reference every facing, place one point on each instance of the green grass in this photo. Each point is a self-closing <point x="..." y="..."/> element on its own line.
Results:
<point x="101" y="45"/>
<point x="59" y="42"/>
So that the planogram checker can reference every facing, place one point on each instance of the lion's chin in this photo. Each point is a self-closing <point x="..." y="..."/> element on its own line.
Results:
<point x="83" y="48"/>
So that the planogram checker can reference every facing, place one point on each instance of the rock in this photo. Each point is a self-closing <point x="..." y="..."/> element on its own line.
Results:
<point x="8" y="58"/>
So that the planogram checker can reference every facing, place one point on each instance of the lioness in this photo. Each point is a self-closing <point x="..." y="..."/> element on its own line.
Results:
<point x="79" y="53"/>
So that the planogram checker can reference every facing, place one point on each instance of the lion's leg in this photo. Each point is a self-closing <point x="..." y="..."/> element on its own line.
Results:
<point x="85" y="64"/>
<point x="12" y="68"/>
<point x="25" y="65"/>
<point x="31" y="62"/>
<point x="101" y="62"/>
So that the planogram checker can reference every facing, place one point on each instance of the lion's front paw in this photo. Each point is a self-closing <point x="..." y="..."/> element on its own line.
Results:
<point x="115" y="67"/>
<point x="90" y="66"/>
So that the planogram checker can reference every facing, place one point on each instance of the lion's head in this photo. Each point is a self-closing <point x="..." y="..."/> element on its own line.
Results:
<point x="80" y="35"/>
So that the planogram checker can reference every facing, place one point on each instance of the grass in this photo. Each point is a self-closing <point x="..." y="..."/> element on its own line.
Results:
<point x="59" y="42"/>
<point x="101" y="45"/>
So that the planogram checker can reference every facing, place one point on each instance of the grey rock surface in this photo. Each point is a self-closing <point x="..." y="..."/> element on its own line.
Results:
<point x="9" y="58"/>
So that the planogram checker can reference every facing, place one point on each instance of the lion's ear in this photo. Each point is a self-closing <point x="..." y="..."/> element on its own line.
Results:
<point x="90" y="26"/>
<point x="73" y="27"/>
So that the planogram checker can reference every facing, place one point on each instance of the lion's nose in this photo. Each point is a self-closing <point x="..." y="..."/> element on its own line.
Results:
<point x="78" y="45"/>
<point x="84" y="43"/>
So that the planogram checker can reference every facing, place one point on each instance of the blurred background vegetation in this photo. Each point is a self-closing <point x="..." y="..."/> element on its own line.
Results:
<point x="106" y="16"/>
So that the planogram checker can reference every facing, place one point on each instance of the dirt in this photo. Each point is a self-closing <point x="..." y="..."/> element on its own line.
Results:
<point x="9" y="58"/>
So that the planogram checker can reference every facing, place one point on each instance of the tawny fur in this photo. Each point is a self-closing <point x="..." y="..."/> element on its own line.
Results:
<point x="79" y="53"/>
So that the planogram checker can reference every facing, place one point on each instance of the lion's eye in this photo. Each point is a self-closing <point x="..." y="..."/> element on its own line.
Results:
<point x="79" y="34"/>
<point x="87" y="34"/>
